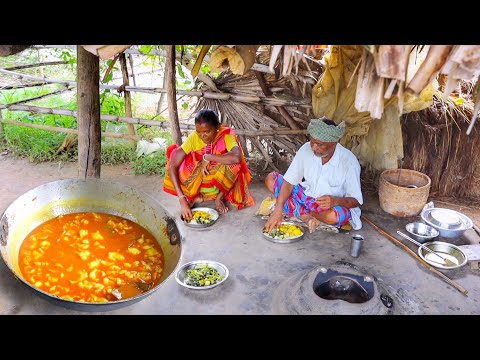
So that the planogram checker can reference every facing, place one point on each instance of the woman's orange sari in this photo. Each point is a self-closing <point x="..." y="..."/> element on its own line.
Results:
<point x="232" y="180"/>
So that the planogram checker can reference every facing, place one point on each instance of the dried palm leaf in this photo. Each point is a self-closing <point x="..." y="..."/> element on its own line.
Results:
<point x="273" y="56"/>
<point x="436" y="57"/>
<point x="436" y="144"/>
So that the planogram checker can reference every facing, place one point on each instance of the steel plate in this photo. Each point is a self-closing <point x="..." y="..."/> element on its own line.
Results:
<point x="211" y="211"/>
<point x="286" y="240"/>
<point x="181" y="274"/>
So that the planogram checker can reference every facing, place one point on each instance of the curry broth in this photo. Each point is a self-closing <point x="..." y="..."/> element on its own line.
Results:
<point x="85" y="256"/>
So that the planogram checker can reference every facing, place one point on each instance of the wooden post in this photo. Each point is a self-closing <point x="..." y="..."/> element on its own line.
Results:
<point x="172" y="94"/>
<point x="88" y="116"/>
<point x="162" y="95"/>
<point x="128" y="96"/>
<point x="130" y="59"/>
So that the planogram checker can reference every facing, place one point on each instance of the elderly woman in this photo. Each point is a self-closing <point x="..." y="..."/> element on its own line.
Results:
<point x="322" y="184"/>
<point x="209" y="165"/>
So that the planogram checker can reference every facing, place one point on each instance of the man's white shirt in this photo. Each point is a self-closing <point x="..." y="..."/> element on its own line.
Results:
<point x="340" y="176"/>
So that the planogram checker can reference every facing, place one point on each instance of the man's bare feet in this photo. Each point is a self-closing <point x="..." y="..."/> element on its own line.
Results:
<point x="220" y="205"/>
<point x="311" y="222"/>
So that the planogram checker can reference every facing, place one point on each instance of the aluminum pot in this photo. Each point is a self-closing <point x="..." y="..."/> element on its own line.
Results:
<point x="77" y="195"/>
<point x="466" y="223"/>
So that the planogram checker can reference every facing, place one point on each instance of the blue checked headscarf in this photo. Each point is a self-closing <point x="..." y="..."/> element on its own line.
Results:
<point x="318" y="129"/>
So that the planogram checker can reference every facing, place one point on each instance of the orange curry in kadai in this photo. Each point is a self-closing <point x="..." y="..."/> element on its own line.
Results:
<point x="85" y="256"/>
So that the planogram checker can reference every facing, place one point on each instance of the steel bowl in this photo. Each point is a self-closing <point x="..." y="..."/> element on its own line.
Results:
<point x="445" y="218"/>
<point x="466" y="223"/>
<point x="447" y="250"/>
<point x="285" y="240"/>
<point x="181" y="274"/>
<point x="193" y="224"/>
<point x="421" y="232"/>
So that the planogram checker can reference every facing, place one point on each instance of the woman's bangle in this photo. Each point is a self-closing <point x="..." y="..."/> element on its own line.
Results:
<point x="205" y="159"/>
<point x="181" y="196"/>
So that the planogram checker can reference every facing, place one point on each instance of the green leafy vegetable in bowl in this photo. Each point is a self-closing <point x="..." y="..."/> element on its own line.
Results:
<point x="202" y="275"/>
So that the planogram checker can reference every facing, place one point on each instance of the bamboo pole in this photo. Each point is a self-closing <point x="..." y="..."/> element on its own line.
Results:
<point x="162" y="95"/>
<point x="398" y="243"/>
<point x="37" y="78"/>
<point x="41" y="96"/>
<point x="68" y="131"/>
<point x="21" y="86"/>
<point x="139" y="121"/>
<point x="65" y="112"/>
<point x="44" y="63"/>
<point x="130" y="60"/>
<point x="150" y="72"/>
<point x="128" y="96"/>
<point x="110" y="68"/>
<point x="151" y="90"/>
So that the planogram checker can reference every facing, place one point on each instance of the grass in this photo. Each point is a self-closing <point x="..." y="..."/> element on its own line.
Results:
<point x="40" y="146"/>
<point x="34" y="144"/>
<point x="151" y="164"/>
<point x="117" y="154"/>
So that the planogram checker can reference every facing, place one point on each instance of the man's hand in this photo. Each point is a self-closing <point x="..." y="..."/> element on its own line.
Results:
<point x="326" y="201"/>
<point x="274" y="221"/>
<point x="185" y="209"/>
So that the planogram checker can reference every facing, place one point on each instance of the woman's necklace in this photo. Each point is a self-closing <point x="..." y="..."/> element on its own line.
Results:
<point x="208" y="149"/>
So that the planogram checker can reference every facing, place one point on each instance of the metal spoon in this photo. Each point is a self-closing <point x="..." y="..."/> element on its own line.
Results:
<point x="445" y="260"/>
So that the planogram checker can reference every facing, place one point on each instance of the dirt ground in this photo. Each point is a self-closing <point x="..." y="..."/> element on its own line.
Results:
<point x="260" y="270"/>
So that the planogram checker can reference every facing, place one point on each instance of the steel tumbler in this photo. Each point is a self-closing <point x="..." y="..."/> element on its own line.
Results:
<point x="357" y="241"/>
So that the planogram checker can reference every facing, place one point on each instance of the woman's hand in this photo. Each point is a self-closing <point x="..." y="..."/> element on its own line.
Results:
<point x="185" y="209"/>
<point x="274" y="221"/>
<point x="204" y="166"/>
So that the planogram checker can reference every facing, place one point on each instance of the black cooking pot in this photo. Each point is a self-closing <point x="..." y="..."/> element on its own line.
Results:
<point x="75" y="195"/>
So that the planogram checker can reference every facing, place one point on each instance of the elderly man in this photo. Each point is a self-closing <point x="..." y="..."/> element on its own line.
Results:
<point x="322" y="184"/>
